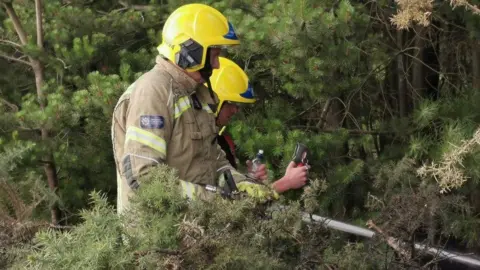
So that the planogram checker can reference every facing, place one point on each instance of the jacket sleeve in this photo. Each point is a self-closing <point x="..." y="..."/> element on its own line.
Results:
<point x="149" y="123"/>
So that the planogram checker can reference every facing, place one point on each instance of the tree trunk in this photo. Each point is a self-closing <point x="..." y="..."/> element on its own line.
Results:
<point x="323" y="115"/>
<point x="402" y="76"/>
<point x="335" y="119"/>
<point x="38" y="70"/>
<point x="475" y="195"/>
<point x="418" y="74"/>
<point x="476" y="64"/>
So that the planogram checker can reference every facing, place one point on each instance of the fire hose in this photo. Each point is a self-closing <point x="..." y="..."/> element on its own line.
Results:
<point x="357" y="230"/>
<point x="300" y="159"/>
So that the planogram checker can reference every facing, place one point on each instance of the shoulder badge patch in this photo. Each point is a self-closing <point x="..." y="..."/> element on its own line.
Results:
<point x="152" y="121"/>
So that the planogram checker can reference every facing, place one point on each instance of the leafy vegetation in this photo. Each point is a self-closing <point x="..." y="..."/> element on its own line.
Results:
<point x="384" y="94"/>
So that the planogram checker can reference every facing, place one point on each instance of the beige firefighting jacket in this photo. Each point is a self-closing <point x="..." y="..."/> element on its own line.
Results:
<point x="163" y="117"/>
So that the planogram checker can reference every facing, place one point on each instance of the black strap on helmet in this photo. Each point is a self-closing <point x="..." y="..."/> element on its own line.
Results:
<point x="206" y="73"/>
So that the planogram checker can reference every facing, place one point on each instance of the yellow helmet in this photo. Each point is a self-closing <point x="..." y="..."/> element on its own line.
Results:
<point x="190" y="30"/>
<point x="230" y="83"/>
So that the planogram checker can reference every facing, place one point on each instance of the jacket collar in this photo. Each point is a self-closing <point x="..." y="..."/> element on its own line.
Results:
<point x="204" y="94"/>
<point x="181" y="81"/>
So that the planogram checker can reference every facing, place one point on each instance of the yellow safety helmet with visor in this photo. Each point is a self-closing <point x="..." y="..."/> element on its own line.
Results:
<point x="190" y="31"/>
<point x="230" y="83"/>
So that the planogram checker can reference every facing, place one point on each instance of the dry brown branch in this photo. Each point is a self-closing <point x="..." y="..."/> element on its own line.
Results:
<point x="433" y="70"/>
<point x="12" y="106"/>
<point x="391" y="241"/>
<point x="135" y="7"/>
<point x="13" y="199"/>
<point x="60" y="227"/>
<point x="21" y="210"/>
<point x="16" y="224"/>
<point x="420" y="11"/>
<point x="304" y="111"/>
<point x="350" y="131"/>
<point x="417" y="11"/>
<point x="157" y="250"/>
<point x="447" y="172"/>
<point x="172" y="262"/>
<point x="191" y="232"/>
<point x="466" y="4"/>
<point x="323" y="115"/>
<point x="12" y="232"/>
<point x="5" y="216"/>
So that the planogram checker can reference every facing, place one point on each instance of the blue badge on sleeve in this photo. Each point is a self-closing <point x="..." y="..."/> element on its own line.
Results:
<point x="152" y="121"/>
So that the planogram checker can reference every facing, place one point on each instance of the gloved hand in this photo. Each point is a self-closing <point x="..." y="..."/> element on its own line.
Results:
<point x="258" y="191"/>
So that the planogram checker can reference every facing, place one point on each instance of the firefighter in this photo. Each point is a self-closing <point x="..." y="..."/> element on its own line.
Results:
<point x="164" y="117"/>
<point x="232" y="87"/>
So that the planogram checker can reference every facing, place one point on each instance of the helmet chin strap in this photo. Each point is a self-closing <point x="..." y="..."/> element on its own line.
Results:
<point x="206" y="73"/>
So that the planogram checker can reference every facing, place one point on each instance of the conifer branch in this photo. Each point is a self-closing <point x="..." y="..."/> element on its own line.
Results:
<point x="135" y="7"/>
<point x="350" y="131"/>
<point x="304" y="111"/>
<point x="18" y="60"/>
<point x="10" y="43"/>
<point x="45" y="162"/>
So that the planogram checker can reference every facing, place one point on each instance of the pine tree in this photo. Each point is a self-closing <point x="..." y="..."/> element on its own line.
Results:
<point x="374" y="104"/>
<point x="89" y="54"/>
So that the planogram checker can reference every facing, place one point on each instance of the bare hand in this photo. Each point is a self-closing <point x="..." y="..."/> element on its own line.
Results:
<point x="261" y="172"/>
<point x="296" y="177"/>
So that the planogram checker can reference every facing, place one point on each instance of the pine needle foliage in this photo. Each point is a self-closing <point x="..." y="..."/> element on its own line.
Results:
<point x="163" y="230"/>
<point x="327" y="74"/>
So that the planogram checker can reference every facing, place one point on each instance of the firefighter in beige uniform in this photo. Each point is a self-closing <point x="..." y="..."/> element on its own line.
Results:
<point x="164" y="116"/>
